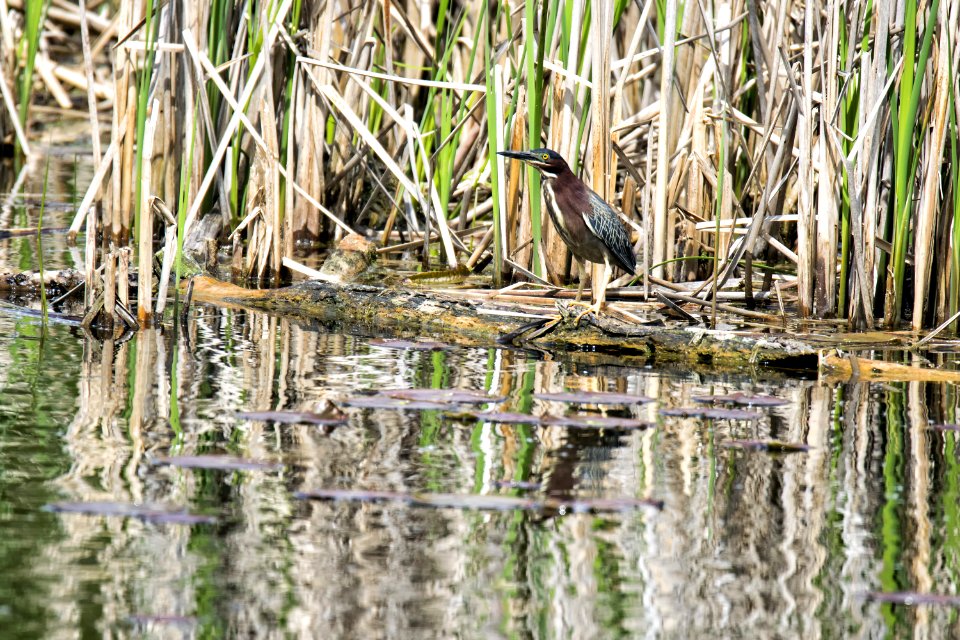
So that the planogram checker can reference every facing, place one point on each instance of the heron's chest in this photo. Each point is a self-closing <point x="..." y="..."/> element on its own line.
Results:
<point x="553" y="208"/>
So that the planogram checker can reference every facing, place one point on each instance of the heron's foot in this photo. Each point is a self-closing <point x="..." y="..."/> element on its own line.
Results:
<point x="588" y="309"/>
<point x="532" y="330"/>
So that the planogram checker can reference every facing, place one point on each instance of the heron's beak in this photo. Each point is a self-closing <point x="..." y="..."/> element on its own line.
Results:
<point x="523" y="156"/>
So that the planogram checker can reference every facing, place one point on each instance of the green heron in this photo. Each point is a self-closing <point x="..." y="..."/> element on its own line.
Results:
<point x="588" y="225"/>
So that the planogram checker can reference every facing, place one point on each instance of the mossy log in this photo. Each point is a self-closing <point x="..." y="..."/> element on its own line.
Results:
<point x="28" y="282"/>
<point x="468" y="322"/>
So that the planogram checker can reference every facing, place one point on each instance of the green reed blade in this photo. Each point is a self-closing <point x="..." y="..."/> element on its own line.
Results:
<point x="33" y="24"/>
<point x="142" y="98"/>
<point x="909" y="140"/>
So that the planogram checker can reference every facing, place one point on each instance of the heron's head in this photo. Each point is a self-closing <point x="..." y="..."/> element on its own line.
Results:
<point x="547" y="161"/>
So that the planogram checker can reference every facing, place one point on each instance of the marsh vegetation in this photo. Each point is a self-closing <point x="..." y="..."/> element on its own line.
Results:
<point x="224" y="472"/>
<point x="796" y="156"/>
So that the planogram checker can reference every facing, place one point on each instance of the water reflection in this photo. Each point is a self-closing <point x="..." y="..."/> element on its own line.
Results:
<point x="749" y="543"/>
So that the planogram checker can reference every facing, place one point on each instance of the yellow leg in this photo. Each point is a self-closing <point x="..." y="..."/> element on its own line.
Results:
<point x="582" y="273"/>
<point x="582" y="276"/>
<point x="601" y="297"/>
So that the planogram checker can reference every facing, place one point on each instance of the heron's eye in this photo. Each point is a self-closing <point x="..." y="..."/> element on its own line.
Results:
<point x="545" y="157"/>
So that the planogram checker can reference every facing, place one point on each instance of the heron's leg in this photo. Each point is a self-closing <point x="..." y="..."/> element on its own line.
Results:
<point x="607" y="272"/>
<point x="582" y="273"/>
<point x="602" y="294"/>
<point x="582" y="268"/>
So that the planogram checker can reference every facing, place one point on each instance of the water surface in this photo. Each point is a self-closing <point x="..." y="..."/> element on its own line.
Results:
<point x="749" y="543"/>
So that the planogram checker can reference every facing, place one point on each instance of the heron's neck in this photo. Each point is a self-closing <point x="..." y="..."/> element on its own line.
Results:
<point x="550" y="176"/>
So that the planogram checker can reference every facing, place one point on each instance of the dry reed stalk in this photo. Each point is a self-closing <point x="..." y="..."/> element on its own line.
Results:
<point x="252" y="82"/>
<point x="828" y="179"/>
<point x="110" y="287"/>
<point x="290" y="221"/>
<point x="647" y="210"/>
<point x="434" y="198"/>
<point x="7" y="96"/>
<point x="203" y="62"/>
<point x="617" y="116"/>
<point x="518" y="210"/>
<point x="169" y="251"/>
<point x="93" y="189"/>
<point x="930" y="191"/>
<point x="553" y="252"/>
<point x="90" y="259"/>
<point x="310" y="148"/>
<point x="601" y="26"/>
<point x="694" y="197"/>
<point x="766" y="199"/>
<point x="90" y="240"/>
<point x="91" y="96"/>
<point x="125" y="119"/>
<point x="869" y="161"/>
<point x="76" y="79"/>
<point x="123" y="278"/>
<point x="272" y="204"/>
<point x="356" y="122"/>
<point x="806" y="249"/>
<point x="7" y="41"/>
<point x="498" y="73"/>
<point x="860" y="308"/>
<point x="145" y="241"/>
<point x="44" y="68"/>
<point x="661" y="217"/>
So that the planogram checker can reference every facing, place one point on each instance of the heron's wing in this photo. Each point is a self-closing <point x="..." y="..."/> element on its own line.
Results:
<point x="605" y="224"/>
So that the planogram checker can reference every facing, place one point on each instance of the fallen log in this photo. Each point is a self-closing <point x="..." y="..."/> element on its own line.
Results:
<point x="28" y="282"/>
<point x="483" y="323"/>
<point x="834" y="368"/>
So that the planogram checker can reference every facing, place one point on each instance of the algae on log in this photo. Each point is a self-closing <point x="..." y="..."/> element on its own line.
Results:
<point x="434" y="314"/>
<point x="28" y="282"/>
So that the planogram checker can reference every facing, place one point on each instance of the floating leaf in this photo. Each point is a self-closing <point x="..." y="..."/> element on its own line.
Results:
<point x="482" y="502"/>
<point x="474" y="502"/>
<point x="420" y="345"/>
<point x="353" y="495"/>
<point x="683" y="412"/>
<point x="776" y="446"/>
<point x="523" y="485"/>
<point x="744" y="399"/>
<point x="451" y="396"/>
<point x="711" y="414"/>
<point x="587" y="421"/>
<point x="175" y="620"/>
<point x="295" y="417"/>
<point x="593" y="397"/>
<point x="510" y="418"/>
<point x="150" y="513"/>
<point x="607" y="505"/>
<point x="945" y="427"/>
<point x="223" y="463"/>
<point x="386" y="402"/>
<point x="911" y="598"/>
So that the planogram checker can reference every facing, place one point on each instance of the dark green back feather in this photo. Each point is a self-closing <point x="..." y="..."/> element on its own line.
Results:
<point x="604" y="222"/>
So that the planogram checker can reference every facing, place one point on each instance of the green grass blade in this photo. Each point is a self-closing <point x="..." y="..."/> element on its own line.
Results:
<point x="142" y="98"/>
<point x="33" y="24"/>
<point x="909" y="139"/>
